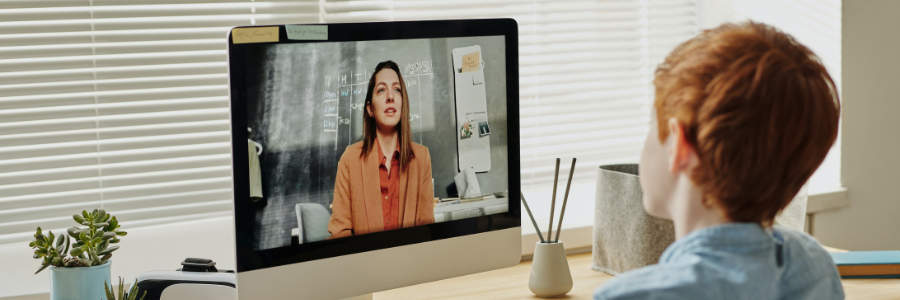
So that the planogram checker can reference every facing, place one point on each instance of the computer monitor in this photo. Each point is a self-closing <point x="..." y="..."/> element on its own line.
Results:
<point x="372" y="156"/>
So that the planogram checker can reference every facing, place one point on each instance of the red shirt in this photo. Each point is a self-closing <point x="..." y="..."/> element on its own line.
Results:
<point x="390" y="186"/>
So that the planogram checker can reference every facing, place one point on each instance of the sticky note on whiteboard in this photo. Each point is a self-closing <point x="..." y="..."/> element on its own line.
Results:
<point x="254" y="35"/>
<point x="471" y="62"/>
<point x="307" y="32"/>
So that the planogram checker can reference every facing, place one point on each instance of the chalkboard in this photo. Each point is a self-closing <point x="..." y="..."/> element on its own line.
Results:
<point x="305" y="104"/>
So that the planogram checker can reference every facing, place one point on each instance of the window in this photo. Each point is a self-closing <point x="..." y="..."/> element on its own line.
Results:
<point x="124" y="105"/>
<point x="120" y="105"/>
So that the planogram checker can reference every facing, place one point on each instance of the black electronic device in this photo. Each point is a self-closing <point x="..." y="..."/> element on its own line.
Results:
<point x="197" y="279"/>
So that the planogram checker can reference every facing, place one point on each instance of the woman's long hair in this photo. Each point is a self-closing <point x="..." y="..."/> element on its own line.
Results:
<point x="404" y="133"/>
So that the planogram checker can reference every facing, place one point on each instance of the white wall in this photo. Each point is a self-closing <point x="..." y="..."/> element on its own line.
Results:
<point x="871" y="130"/>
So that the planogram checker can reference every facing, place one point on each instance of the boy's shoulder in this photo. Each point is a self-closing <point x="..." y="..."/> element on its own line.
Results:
<point x="678" y="280"/>
<point x="784" y="265"/>
<point x="809" y="272"/>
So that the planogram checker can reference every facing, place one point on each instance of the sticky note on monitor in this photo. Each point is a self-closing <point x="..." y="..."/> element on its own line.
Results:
<point x="248" y="35"/>
<point x="471" y="62"/>
<point x="307" y="32"/>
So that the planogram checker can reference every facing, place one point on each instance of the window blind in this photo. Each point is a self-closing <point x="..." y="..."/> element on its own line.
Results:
<point x="124" y="104"/>
<point x="121" y="105"/>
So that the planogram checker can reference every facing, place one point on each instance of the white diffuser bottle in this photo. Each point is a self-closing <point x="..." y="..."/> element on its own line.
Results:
<point x="550" y="275"/>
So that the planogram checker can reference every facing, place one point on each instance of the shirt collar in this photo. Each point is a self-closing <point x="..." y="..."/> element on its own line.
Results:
<point x="727" y="237"/>
<point x="381" y="155"/>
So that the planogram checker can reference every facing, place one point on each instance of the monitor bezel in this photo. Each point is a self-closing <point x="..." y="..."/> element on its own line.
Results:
<point x="249" y="259"/>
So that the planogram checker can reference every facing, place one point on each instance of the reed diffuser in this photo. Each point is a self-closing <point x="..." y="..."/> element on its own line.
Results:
<point x="550" y="274"/>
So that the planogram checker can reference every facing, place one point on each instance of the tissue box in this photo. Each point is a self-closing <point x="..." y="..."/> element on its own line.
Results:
<point x="625" y="236"/>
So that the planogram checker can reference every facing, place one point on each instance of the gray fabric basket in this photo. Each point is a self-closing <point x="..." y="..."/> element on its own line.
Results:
<point x="625" y="236"/>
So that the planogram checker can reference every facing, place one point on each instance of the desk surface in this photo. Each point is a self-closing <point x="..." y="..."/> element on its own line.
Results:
<point x="512" y="283"/>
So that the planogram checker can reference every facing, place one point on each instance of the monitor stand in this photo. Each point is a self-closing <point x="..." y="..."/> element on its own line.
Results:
<point x="361" y="297"/>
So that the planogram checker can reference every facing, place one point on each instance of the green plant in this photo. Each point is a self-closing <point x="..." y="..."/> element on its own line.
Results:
<point x="131" y="295"/>
<point x="92" y="243"/>
<point x="53" y="254"/>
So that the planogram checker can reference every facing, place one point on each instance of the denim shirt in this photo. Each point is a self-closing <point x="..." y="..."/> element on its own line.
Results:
<point x="734" y="261"/>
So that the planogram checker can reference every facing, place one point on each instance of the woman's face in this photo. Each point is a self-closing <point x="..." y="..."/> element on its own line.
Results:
<point x="387" y="100"/>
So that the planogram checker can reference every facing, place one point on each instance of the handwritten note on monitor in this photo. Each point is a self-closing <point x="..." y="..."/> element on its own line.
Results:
<point x="471" y="62"/>
<point x="307" y="32"/>
<point x="254" y="35"/>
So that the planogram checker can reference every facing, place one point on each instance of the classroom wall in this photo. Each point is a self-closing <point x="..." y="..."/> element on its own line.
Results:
<point x="871" y="131"/>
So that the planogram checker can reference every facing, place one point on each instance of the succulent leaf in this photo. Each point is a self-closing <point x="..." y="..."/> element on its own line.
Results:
<point x="76" y="252"/>
<point x="134" y="291"/>
<point x="121" y="287"/>
<point x="78" y="218"/>
<point x="107" y="288"/>
<point x="121" y="233"/>
<point x="60" y="240"/>
<point x="63" y="253"/>
<point x="109" y="250"/>
<point x="95" y="259"/>
<point x="42" y="268"/>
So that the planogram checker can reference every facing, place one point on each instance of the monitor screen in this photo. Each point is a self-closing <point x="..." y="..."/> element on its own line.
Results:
<point x="361" y="144"/>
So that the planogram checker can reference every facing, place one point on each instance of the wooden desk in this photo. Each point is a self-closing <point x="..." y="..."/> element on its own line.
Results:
<point x="512" y="283"/>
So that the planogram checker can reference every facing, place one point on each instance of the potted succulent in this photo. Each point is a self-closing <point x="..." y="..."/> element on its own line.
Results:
<point x="79" y="268"/>
<point x="130" y="295"/>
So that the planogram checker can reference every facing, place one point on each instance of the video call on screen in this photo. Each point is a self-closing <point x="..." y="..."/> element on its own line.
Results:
<point x="306" y="104"/>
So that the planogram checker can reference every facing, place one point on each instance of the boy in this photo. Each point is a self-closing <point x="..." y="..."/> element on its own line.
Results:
<point x="743" y="117"/>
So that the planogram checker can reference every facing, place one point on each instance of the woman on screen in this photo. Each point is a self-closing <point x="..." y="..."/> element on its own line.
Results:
<point x="384" y="181"/>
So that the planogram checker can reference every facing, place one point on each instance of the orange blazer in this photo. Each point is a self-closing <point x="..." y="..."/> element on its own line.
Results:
<point x="356" y="208"/>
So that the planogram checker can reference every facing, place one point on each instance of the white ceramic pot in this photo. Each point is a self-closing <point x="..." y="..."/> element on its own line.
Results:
<point x="550" y="275"/>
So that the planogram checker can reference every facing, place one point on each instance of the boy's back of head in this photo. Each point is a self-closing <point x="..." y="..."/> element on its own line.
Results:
<point x="759" y="110"/>
<point x="743" y="117"/>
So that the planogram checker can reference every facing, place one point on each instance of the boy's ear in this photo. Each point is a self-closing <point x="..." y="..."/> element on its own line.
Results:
<point x="682" y="157"/>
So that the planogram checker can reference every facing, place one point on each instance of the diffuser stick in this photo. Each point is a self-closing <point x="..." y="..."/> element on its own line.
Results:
<point x="553" y="202"/>
<point x="536" y="229"/>
<point x="562" y="212"/>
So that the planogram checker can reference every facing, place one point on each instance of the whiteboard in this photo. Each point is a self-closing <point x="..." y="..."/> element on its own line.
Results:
<point x="471" y="108"/>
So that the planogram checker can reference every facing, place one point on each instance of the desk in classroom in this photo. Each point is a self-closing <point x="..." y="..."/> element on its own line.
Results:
<point x="512" y="283"/>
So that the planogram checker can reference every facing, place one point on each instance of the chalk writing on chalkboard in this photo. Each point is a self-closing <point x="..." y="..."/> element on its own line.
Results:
<point x="418" y="68"/>
<point x="330" y="125"/>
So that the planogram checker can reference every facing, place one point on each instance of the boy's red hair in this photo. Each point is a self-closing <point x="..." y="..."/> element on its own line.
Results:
<point x="759" y="109"/>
